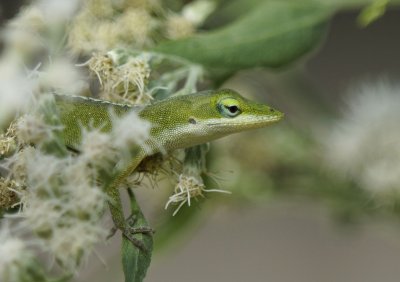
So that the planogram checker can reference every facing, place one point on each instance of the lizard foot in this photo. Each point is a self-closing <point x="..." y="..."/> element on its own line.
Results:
<point x="129" y="231"/>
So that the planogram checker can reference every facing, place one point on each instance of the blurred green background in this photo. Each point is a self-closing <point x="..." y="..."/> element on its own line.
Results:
<point x="291" y="217"/>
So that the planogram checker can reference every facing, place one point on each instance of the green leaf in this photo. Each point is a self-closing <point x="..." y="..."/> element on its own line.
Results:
<point x="272" y="34"/>
<point x="372" y="12"/>
<point x="135" y="261"/>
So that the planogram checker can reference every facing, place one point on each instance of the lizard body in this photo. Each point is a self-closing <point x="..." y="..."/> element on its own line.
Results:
<point x="176" y="122"/>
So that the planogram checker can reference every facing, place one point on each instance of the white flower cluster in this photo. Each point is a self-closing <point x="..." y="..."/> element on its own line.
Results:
<point x="16" y="90"/>
<point x="364" y="144"/>
<point x="62" y="204"/>
<point x="121" y="82"/>
<point x="62" y="201"/>
<point x="15" y="257"/>
<point x="24" y="40"/>
<point x="100" y="25"/>
<point x="192" y="15"/>
<point x="189" y="187"/>
<point x="190" y="183"/>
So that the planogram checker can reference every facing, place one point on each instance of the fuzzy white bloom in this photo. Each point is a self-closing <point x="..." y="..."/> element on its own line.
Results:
<point x="58" y="11"/>
<point x="31" y="129"/>
<point x="8" y="192"/>
<point x="136" y="26"/>
<point x="101" y="8"/>
<point x="11" y="250"/>
<point x="137" y="72"/>
<point x="11" y="253"/>
<point x="8" y="142"/>
<point x="364" y="145"/>
<point x="72" y="243"/>
<point x="188" y="187"/>
<point x="97" y="148"/>
<point x="130" y="130"/>
<point x="16" y="89"/>
<point x="15" y="257"/>
<point x="23" y="34"/>
<point x="64" y="77"/>
<point x="178" y="26"/>
<point x="101" y="27"/>
<point x="123" y="82"/>
<point x="197" y="11"/>
<point x="7" y="145"/>
<point x="20" y="87"/>
<point x="62" y="204"/>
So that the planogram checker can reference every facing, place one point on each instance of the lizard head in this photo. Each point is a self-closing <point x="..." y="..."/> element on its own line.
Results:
<point x="188" y="120"/>
<point x="226" y="111"/>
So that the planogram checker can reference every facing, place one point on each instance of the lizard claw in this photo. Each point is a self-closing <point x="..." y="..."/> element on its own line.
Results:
<point x="143" y="230"/>
<point x="128" y="231"/>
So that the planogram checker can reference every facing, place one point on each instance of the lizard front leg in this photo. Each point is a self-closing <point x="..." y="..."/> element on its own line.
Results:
<point x="115" y="205"/>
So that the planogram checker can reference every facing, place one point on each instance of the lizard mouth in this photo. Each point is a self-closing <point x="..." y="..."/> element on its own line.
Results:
<point x="258" y="121"/>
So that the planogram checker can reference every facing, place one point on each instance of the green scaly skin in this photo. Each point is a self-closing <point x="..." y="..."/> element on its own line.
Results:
<point x="177" y="122"/>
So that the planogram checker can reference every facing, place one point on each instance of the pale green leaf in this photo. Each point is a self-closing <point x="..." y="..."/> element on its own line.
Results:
<point x="372" y="12"/>
<point x="272" y="34"/>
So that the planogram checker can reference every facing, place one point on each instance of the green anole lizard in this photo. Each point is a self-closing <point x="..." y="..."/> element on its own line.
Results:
<point x="177" y="122"/>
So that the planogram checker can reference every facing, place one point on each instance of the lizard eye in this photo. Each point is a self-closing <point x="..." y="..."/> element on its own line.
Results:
<point x="229" y="107"/>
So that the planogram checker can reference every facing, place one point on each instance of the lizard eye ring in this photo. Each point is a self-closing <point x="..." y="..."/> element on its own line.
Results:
<point x="229" y="107"/>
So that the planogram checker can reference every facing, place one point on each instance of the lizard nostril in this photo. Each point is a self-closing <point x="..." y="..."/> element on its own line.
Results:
<point x="192" y="121"/>
<point x="272" y="110"/>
